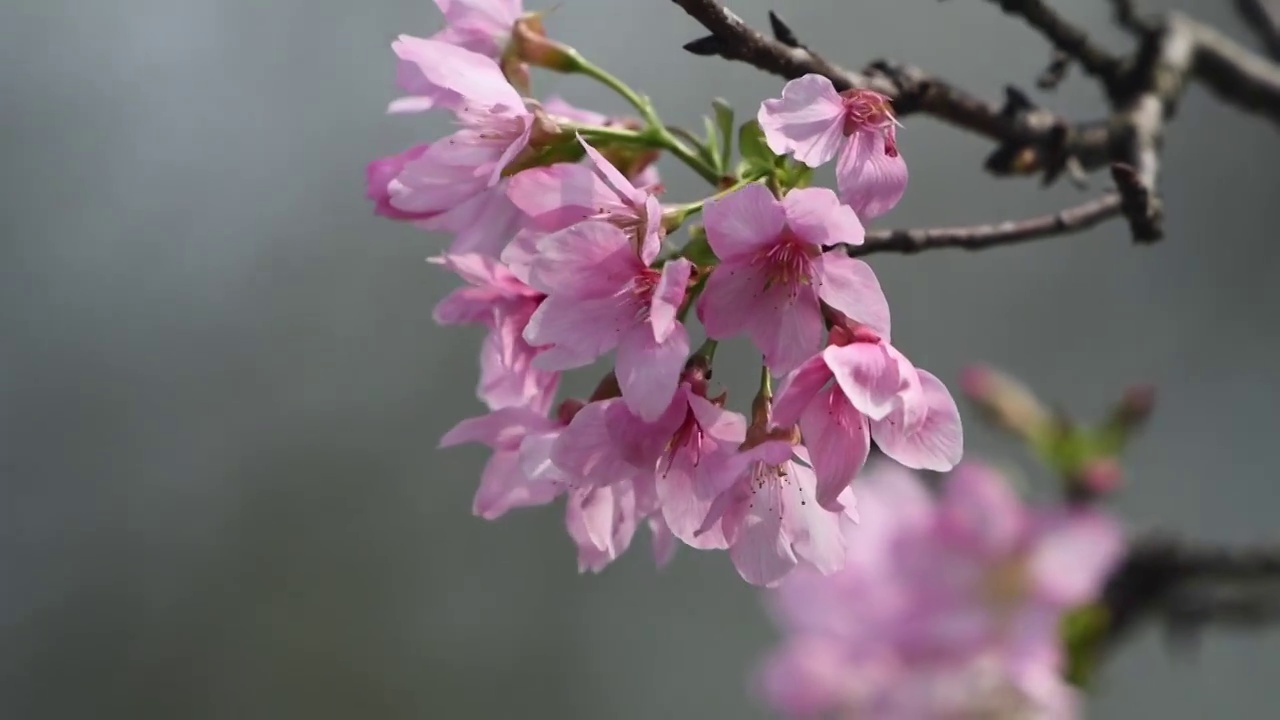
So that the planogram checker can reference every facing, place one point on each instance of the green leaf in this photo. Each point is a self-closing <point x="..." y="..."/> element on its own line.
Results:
<point x="752" y="146"/>
<point x="724" y="125"/>
<point x="698" y="250"/>
<point x="710" y="149"/>
<point x="1082" y="631"/>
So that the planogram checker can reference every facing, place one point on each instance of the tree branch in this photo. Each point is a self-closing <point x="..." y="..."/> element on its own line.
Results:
<point x="1143" y="90"/>
<point x="1068" y="38"/>
<point x="1187" y="588"/>
<point x="1129" y="199"/>
<point x="1263" y="17"/>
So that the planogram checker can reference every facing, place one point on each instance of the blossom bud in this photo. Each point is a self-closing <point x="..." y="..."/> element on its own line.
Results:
<point x="1008" y="403"/>
<point x="529" y="43"/>
<point x="1134" y="409"/>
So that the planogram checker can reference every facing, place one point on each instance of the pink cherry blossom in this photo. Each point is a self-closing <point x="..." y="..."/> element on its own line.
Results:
<point x="601" y="521"/>
<point x="558" y="196"/>
<point x="482" y="26"/>
<point x="602" y="295"/>
<point x="380" y="173"/>
<point x="505" y="484"/>
<point x="770" y="518"/>
<point x="944" y="608"/>
<point x="497" y="299"/>
<point x="861" y="388"/>
<point x="494" y="127"/>
<point x="813" y="122"/>
<point x="773" y="273"/>
<point x="674" y="458"/>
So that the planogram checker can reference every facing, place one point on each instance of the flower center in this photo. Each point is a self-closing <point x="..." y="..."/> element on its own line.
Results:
<point x="869" y="111"/>
<point x="789" y="262"/>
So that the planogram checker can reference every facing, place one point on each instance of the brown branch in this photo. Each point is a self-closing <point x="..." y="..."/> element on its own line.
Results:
<point x="1186" y="588"/>
<point x="1067" y="38"/>
<point x="1263" y="17"/>
<point x="1143" y="89"/>
<point x="1130" y="199"/>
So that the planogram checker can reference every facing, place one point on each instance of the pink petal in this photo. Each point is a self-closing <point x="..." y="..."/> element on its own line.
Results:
<point x="664" y="543"/>
<point x="484" y="223"/>
<point x="815" y="532"/>
<point x="684" y="507"/>
<point x="1073" y="555"/>
<point x="535" y="459"/>
<point x="839" y="443"/>
<point x="614" y="180"/>
<point x="744" y="222"/>
<point x="500" y="429"/>
<point x="761" y="551"/>
<point x="980" y="511"/>
<point x="786" y="326"/>
<point x="557" y="196"/>
<point x="809" y="677"/>
<point x="817" y="217"/>
<point x="798" y="389"/>
<point x="648" y="371"/>
<point x="454" y="76"/>
<point x="601" y="522"/>
<point x="850" y="286"/>
<point x="668" y="296"/>
<point x="590" y="259"/>
<point x="577" y="330"/>
<point x="586" y="451"/>
<point x="806" y="121"/>
<point x="934" y="443"/>
<point x="518" y="255"/>
<point x="731" y="298"/>
<point x="504" y="486"/>
<point x="869" y="375"/>
<point x="870" y="181"/>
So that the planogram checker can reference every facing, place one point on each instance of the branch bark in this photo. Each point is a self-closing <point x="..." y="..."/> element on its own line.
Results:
<point x="1143" y="89"/>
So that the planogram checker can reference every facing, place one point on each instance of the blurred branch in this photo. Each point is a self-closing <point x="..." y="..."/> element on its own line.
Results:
<point x="1143" y="89"/>
<point x="1263" y="17"/>
<point x="1187" y="589"/>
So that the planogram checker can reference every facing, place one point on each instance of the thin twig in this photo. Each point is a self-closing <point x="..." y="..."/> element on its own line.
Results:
<point x="1263" y="17"/>
<point x="1068" y="38"/>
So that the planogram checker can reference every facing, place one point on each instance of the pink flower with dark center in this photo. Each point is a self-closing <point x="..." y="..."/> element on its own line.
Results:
<point x="561" y="195"/>
<point x="861" y="388"/>
<point x="945" y="608"/>
<point x="495" y="127"/>
<point x="813" y="122"/>
<point x="769" y="515"/>
<point x="497" y="299"/>
<point x="601" y="295"/>
<point x="773" y="273"/>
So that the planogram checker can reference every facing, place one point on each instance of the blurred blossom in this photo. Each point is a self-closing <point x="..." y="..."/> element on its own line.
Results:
<point x="947" y="607"/>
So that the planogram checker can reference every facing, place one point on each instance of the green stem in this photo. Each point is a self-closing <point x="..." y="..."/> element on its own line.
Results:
<point x="656" y="133"/>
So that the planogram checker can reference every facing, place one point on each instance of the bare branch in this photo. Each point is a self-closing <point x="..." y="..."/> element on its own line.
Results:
<point x="1068" y="38"/>
<point x="1263" y="17"/>
<point x="1130" y="199"/>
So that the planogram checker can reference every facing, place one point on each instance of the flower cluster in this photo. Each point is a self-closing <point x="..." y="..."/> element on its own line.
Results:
<point x="569" y="256"/>
<point x="947" y="607"/>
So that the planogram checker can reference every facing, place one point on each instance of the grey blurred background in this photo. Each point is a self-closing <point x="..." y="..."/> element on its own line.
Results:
<point x="222" y="389"/>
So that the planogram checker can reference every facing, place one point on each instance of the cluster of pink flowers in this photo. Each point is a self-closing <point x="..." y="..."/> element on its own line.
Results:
<point x="947" y="607"/>
<point x="565" y="253"/>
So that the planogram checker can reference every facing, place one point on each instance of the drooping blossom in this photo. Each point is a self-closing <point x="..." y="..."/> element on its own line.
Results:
<point x="560" y="195"/>
<point x="814" y="123"/>
<point x="860" y="388"/>
<point x="495" y="126"/>
<point x="601" y="521"/>
<point x="773" y="273"/>
<point x="601" y="295"/>
<point x="495" y="298"/>
<point x="770" y="517"/>
<point x="945" y="608"/>
<point x="481" y="26"/>
<point x="672" y="460"/>
<point x="510" y="479"/>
